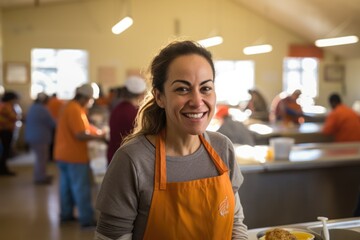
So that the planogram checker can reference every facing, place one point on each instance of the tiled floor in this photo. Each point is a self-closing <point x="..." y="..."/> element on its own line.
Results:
<point x="29" y="211"/>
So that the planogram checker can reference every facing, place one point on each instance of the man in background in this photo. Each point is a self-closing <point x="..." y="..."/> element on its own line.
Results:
<point x="54" y="106"/>
<point x="342" y="122"/>
<point x="39" y="127"/>
<point x="71" y="153"/>
<point x="236" y="131"/>
<point x="122" y="117"/>
<point x="8" y="118"/>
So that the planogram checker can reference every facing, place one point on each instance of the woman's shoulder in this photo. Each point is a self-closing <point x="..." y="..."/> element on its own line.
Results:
<point x="137" y="152"/>
<point x="218" y="140"/>
<point x="137" y="147"/>
<point x="216" y="137"/>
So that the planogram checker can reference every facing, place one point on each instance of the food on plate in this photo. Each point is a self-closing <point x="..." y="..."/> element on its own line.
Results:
<point x="279" y="234"/>
<point x="286" y="234"/>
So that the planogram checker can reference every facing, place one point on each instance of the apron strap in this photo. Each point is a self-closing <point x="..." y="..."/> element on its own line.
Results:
<point x="220" y="165"/>
<point x="160" y="160"/>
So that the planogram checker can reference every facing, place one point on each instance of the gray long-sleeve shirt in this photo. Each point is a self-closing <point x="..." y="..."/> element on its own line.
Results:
<point x="125" y="196"/>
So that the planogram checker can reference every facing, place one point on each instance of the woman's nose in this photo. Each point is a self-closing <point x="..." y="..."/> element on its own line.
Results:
<point x="196" y="99"/>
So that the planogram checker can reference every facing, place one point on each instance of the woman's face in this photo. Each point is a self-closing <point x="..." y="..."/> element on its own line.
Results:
<point x="189" y="95"/>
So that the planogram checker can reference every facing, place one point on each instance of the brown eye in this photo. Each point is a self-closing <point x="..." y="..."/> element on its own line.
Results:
<point x="206" y="89"/>
<point x="182" y="90"/>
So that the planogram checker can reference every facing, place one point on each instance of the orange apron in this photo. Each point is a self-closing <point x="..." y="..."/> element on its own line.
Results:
<point x="198" y="209"/>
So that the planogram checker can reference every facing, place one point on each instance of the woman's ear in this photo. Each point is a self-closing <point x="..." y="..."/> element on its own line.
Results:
<point x="159" y="98"/>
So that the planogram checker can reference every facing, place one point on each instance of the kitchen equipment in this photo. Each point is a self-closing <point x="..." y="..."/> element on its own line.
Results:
<point x="325" y="231"/>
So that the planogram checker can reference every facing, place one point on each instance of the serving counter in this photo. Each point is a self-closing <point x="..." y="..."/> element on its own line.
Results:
<point x="339" y="229"/>
<point x="319" y="179"/>
<point x="303" y="133"/>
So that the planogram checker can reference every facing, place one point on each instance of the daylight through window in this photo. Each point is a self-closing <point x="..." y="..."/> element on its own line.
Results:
<point x="58" y="71"/>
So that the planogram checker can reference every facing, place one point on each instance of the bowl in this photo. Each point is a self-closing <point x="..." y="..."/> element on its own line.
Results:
<point x="300" y="234"/>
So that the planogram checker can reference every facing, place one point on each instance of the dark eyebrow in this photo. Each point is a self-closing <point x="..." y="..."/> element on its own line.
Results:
<point x="187" y="83"/>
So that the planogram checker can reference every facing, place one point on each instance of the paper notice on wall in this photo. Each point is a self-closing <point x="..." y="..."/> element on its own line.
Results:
<point x="107" y="76"/>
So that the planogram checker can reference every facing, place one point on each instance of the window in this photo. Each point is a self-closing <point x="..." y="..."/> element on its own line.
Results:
<point x="233" y="80"/>
<point x="58" y="71"/>
<point x="301" y="73"/>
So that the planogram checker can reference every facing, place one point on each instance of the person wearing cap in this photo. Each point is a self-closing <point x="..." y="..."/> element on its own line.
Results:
<point x="71" y="154"/>
<point x="39" y="126"/>
<point x="122" y="117"/>
<point x="8" y="118"/>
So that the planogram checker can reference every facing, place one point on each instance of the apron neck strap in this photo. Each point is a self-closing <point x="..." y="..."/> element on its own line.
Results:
<point x="220" y="165"/>
<point x="160" y="160"/>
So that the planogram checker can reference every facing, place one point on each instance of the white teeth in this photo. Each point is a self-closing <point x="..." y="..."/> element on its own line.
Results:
<point x="194" y="115"/>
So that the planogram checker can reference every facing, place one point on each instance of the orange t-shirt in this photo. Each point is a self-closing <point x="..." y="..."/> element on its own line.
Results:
<point x="8" y="116"/>
<point x="54" y="105"/>
<point x="343" y="123"/>
<point x="72" y="121"/>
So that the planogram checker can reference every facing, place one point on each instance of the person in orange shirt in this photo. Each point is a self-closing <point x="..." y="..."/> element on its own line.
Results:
<point x="54" y="106"/>
<point x="342" y="122"/>
<point x="8" y="118"/>
<point x="71" y="153"/>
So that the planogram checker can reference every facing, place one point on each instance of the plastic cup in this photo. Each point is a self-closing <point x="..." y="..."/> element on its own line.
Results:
<point x="282" y="147"/>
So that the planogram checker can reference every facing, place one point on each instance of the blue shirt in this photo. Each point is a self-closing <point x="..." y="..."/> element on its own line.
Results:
<point x="39" y="124"/>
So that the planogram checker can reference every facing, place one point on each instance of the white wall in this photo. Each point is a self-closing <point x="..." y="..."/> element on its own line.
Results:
<point x="87" y="25"/>
<point x="352" y="81"/>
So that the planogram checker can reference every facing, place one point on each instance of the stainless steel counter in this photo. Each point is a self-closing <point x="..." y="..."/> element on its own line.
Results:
<point x="318" y="179"/>
<point x="302" y="156"/>
<point x="303" y="133"/>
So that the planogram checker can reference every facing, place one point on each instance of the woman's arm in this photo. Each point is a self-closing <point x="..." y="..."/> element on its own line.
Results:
<point x="118" y="198"/>
<point x="239" y="228"/>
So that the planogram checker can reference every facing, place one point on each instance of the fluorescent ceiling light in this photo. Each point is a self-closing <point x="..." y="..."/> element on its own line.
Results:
<point x="257" y="49"/>
<point x="209" y="42"/>
<point x="327" y="42"/>
<point x="121" y="26"/>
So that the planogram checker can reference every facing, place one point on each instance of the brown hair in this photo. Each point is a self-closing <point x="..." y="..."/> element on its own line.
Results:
<point x="151" y="119"/>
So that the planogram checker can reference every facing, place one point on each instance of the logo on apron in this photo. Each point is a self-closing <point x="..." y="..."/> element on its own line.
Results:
<point x="224" y="207"/>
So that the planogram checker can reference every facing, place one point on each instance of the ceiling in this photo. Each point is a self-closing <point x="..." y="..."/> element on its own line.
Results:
<point x="310" y="19"/>
<point x="314" y="19"/>
<point x="18" y="3"/>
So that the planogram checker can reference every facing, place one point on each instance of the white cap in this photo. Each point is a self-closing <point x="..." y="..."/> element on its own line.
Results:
<point x="135" y="84"/>
<point x="41" y="97"/>
<point x="86" y="90"/>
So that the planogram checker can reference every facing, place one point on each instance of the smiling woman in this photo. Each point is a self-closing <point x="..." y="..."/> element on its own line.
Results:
<point x="178" y="159"/>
